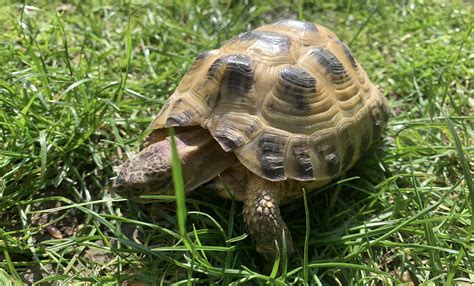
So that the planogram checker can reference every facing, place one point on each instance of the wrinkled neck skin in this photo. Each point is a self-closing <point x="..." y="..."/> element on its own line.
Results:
<point x="149" y="172"/>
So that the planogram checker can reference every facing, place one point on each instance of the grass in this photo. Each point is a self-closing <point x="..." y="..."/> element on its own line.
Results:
<point x="79" y="83"/>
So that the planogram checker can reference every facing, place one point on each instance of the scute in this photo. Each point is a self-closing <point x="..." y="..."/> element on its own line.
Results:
<point x="289" y="99"/>
<point x="239" y="76"/>
<point x="348" y="135"/>
<point x="331" y="64"/>
<point x="271" y="40"/>
<point x="269" y="46"/>
<point x="348" y="53"/>
<point x="300" y="160"/>
<point x="297" y="26"/>
<point x="327" y="155"/>
<point x="266" y="154"/>
<point x="296" y="87"/>
<point x="233" y="130"/>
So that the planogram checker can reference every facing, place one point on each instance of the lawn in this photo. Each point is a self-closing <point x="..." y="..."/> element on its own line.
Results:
<point x="80" y="82"/>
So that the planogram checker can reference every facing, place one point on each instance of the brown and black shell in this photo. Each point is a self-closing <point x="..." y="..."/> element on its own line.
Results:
<point x="289" y="99"/>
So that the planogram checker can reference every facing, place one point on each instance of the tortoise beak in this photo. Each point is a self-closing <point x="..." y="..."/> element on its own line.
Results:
<point x="133" y="190"/>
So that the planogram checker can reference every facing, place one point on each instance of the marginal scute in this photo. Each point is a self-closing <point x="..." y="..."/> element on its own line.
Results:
<point x="182" y="113"/>
<point x="365" y="133"/>
<point x="272" y="155"/>
<point x="233" y="130"/>
<point x="332" y="160"/>
<point x="327" y="154"/>
<point x="299" y="163"/>
<point x="265" y="155"/>
<point x="347" y="139"/>
<point x="227" y="137"/>
<point x="379" y="119"/>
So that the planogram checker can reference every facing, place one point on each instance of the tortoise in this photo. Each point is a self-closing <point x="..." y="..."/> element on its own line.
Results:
<point x="275" y="110"/>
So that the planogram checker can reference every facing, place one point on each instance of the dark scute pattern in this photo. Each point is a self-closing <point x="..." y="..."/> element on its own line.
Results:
<point x="180" y="115"/>
<point x="304" y="166"/>
<point x="271" y="156"/>
<point x="179" y="119"/>
<point x="239" y="75"/>
<point x="333" y="163"/>
<point x="328" y="153"/>
<point x="231" y="134"/>
<point x="298" y="78"/>
<point x="348" y="53"/>
<point x="270" y="38"/>
<point x="329" y="61"/>
<point x="303" y="25"/>
<point x="172" y="121"/>
<point x="297" y="84"/>
<point x="227" y="139"/>
<point x="227" y="136"/>
<point x="202" y="55"/>
<point x="215" y="67"/>
<point x="250" y="128"/>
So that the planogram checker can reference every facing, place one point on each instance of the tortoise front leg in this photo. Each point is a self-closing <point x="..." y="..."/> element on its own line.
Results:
<point x="263" y="219"/>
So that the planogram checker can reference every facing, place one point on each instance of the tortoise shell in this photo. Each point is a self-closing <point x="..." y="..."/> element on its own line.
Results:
<point x="289" y="99"/>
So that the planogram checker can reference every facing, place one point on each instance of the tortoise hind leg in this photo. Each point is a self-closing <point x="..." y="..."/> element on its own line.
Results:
<point x="263" y="219"/>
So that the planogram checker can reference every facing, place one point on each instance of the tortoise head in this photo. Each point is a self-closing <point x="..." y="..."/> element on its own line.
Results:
<point x="149" y="172"/>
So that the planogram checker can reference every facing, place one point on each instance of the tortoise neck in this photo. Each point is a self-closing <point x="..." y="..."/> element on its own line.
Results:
<point x="202" y="158"/>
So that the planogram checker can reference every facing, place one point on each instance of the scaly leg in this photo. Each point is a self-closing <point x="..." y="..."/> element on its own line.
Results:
<point x="263" y="219"/>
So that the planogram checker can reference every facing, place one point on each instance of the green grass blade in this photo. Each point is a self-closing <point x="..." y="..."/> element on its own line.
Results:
<point x="470" y="186"/>
<point x="178" y="183"/>
<point x="306" y="239"/>
<point x="43" y="152"/>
